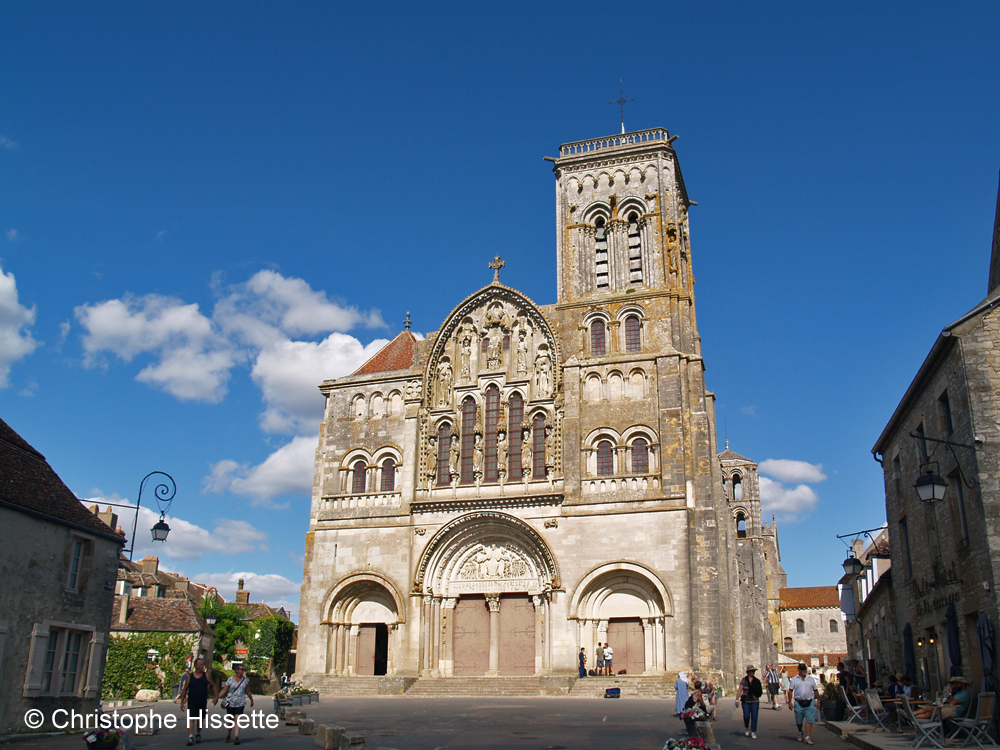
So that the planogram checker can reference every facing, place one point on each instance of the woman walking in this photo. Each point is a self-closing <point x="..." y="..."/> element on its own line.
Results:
<point x="234" y="698"/>
<point x="195" y="695"/>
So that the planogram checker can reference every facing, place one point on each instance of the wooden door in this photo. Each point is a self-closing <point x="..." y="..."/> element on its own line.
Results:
<point x="471" y="645"/>
<point x="629" y="644"/>
<point x="517" y="634"/>
<point x="366" y="650"/>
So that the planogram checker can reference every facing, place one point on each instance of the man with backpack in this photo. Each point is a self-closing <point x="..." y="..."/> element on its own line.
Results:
<point x="750" y="691"/>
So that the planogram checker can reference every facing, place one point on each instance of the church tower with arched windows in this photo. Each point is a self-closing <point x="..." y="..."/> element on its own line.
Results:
<point x="530" y="480"/>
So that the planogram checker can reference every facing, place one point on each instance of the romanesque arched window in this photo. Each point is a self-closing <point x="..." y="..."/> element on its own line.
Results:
<point x="605" y="459"/>
<point x="492" y="417"/>
<point x="601" y="253"/>
<point x="515" y="413"/>
<point x="358" y="484"/>
<point x="741" y="526"/>
<point x="444" y="451"/>
<point x="538" y="447"/>
<point x="634" y="250"/>
<point x="633" y="341"/>
<point x="469" y="413"/>
<point x="388" y="476"/>
<point x="788" y="645"/>
<point x="834" y="626"/>
<point x="640" y="456"/>
<point x="597" y="338"/>
<point x="800" y="626"/>
<point x="737" y="487"/>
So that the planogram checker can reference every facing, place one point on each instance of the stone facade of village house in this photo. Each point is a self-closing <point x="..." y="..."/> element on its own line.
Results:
<point x="533" y="479"/>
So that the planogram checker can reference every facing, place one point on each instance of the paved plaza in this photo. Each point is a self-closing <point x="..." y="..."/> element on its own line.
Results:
<point x="491" y="723"/>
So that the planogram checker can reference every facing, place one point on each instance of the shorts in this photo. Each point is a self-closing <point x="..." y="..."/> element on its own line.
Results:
<point x="234" y="710"/>
<point x="805" y="714"/>
<point x="600" y="663"/>
<point x="198" y="710"/>
<point x="607" y="663"/>
<point x="947" y="712"/>
<point x="772" y="689"/>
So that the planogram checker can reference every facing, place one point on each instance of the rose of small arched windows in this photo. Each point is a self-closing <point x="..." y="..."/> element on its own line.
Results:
<point x="631" y="454"/>
<point x="601" y="342"/>
<point x="367" y="474"/>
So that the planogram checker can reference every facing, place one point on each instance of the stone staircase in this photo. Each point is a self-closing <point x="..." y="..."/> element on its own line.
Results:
<point x="639" y="686"/>
<point x="331" y="686"/>
<point x="475" y="687"/>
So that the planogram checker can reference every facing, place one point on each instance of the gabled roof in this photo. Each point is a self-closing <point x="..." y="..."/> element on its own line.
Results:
<point x="255" y="610"/>
<point x="28" y="482"/>
<point x="809" y="597"/>
<point x="396" y="355"/>
<point x="728" y="455"/>
<point x="147" y="614"/>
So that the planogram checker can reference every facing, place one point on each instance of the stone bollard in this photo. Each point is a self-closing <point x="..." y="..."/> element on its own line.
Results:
<point x="328" y="736"/>
<point x="352" y="741"/>
<point x="293" y="717"/>
<point x="307" y="726"/>
<point x="704" y="730"/>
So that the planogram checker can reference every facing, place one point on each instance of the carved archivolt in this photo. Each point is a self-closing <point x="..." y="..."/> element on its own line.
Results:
<point x="357" y="588"/>
<point x="486" y="552"/>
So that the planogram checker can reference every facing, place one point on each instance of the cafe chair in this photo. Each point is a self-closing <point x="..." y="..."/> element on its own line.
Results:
<point x="977" y="728"/>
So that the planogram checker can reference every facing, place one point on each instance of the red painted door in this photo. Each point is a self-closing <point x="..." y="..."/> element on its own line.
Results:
<point x="471" y="645"/>
<point x="517" y="634"/>
<point x="366" y="650"/>
<point x="629" y="644"/>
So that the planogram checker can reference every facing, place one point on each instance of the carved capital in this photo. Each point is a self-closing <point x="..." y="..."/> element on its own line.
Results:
<point x="493" y="602"/>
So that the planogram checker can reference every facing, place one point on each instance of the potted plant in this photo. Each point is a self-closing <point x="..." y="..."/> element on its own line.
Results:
<point x="833" y="704"/>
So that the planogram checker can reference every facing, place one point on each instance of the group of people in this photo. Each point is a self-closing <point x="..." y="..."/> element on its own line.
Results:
<point x="802" y="694"/>
<point x="852" y="678"/>
<point x="604" y="655"/>
<point x="692" y="693"/>
<point x="195" y="686"/>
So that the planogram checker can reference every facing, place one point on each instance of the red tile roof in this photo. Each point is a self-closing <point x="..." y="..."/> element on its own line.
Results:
<point x="147" y="614"/>
<point x="28" y="482"/>
<point x="396" y="355"/>
<point x="809" y="597"/>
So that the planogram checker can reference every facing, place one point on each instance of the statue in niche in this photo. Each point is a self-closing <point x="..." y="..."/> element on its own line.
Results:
<point x="522" y="354"/>
<point x="432" y="460"/>
<point x="550" y="450"/>
<point x="455" y="457"/>
<point x="495" y="317"/>
<point x="493" y="351"/>
<point x="444" y="383"/>
<point x="526" y="451"/>
<point x="466" y="353"/>
<point x="501" y="455"/>
<point x="543" y="375"/>
<point x="477" y="457"/>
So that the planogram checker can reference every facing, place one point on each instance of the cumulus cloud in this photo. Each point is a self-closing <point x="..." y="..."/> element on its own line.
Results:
<point x="186" y="540"/>
<point x="786" y="470"/>
<point x="288" y="470"/>
<point x="12" y="235"/>
<point x="749" y="411"/>
<point x="16" y="342"/>
<point x="785" y="502"/>
<point x="269" y="588"/>
<point x="7" y="143"/>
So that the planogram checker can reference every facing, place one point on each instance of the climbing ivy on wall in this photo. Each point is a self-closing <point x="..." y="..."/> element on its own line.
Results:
<point x="270" y="638"/>
<point x="126" y="670"/>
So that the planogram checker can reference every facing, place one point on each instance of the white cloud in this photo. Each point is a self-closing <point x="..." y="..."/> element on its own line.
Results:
<point x="269" y="588"/>
<point x="12" y="235"/>
<point x="785" y="502"/>
<point x="288" y="470"/>
<point x="749" y="411"/>
<point x="787" y="470"/>
<point x="289" y="372"/>
<point x="186" y="540"/>
<point x="7" y="143"/>
<point x="30" y="387"/>
<point x="15" y="319"/>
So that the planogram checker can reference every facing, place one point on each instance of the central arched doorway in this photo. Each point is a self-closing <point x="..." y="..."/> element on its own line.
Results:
<point x="364" y="613"/>
<point x="485" y="580"/>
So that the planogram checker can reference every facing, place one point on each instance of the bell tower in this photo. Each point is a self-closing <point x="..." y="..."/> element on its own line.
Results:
<point x="622" y="228"/>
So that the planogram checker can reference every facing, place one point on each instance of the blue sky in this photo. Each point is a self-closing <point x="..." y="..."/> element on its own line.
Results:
<point x="208" y="208"/>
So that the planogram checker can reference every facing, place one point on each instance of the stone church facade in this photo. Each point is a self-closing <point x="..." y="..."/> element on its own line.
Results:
<point x="530" y="480"/>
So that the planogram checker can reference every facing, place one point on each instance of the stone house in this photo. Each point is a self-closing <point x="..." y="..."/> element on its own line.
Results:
<point x="945" y="554"/>
<point x="57" y="561"/>
<point x="144" y="578"/>
<point x="812" y="630"/>
<point x="532" y="479"/>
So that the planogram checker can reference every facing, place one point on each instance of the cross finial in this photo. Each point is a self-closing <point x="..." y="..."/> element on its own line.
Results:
<point x="496" y="265"/>
<point x="621" y="101"/>
<point x="406" y="325"/>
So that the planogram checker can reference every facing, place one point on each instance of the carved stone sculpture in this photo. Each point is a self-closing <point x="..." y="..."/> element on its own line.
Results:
<point x="550" y="447"/>
<point x="444" y="383"/>
<point x="414" y="389"/>
<point x="466" y="354"/>
<point x="501" y="455"/>
<point x="526" y="452"/>
<point x="493" y="359"/>
<point x="432" y="461"/>
<point x="477" y="458"/>
<point x="543" y="375"/>
<point x="455" y="457"/>
<point x="522" y="355"/>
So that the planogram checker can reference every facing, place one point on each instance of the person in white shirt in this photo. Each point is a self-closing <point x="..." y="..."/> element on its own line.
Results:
<point x="805" y="692"/>
<point x="609" y="654"/>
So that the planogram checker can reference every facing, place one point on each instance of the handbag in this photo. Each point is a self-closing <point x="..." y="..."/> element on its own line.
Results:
<point x="228" y="696"/>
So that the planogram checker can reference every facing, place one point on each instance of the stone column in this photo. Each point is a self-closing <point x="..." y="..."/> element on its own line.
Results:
<point x="436" y="650"/>
<point x="538" y="601"/>
<point x="650" y="643"/>
<point x="426" y="637"/>
<point x="331" y="647"/>
<point x="494" y="604"/>
<point x="339" y="662"/>
<point x="447" y="637"/>
<point x="661" y="644"/>
<point x="352" y="650"/>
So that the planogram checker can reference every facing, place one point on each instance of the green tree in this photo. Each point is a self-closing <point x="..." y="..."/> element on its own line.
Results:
<point x="229" y="627"/>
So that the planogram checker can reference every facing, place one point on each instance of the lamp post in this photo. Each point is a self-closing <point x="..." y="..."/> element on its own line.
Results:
<point x="853" y="566"/>
<point x="930" y="487"/>
<point x="164" y="495"/>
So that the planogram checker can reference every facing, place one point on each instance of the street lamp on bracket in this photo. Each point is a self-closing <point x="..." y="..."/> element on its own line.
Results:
<point x="164" y="495"/>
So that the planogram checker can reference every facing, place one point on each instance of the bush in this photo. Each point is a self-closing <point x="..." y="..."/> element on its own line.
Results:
<point x="127" y="669"/>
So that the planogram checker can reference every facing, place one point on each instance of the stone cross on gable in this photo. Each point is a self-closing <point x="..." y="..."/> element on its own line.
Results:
<point x="496" y="265"/>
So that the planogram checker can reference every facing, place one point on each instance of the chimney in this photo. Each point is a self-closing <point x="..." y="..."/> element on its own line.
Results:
<point x="242" y="597"/>
<point x="150" y="565"/>
<point x="123" y="612"/>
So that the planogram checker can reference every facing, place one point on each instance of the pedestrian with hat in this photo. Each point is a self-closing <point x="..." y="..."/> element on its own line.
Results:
<point x="804" y="691"/>
<point x="749" y="692"/>
<point x="956" y="707"/>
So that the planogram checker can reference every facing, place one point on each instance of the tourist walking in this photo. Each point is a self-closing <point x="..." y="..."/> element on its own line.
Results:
<point x="234" y="697"/>
<point x="773" y="685"/>
<point x="805" y="692"/>
<point x="195" y="695"/>
<point x="681" y="686"/>
<point x="750" y="691"/>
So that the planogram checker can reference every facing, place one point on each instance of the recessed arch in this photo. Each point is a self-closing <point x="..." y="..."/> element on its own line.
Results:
<point x="344" y="597"/>
<point x="600" y="583"/>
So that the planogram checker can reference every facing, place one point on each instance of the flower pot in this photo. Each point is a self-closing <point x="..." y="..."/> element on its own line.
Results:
<point x="296" y="700"/>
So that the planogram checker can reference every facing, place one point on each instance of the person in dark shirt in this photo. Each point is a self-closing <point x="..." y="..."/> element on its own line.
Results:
<point x="195" y="695"/>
